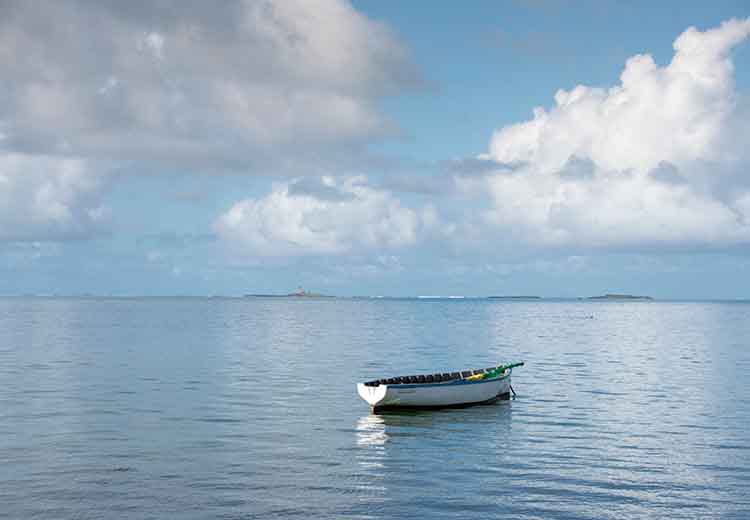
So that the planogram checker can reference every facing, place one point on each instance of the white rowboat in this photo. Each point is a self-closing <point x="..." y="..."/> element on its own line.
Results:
<point x="439" y="390"/>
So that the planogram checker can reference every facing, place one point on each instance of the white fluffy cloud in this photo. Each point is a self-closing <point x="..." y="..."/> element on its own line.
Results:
<point x="322" y="216"/>
<point x="197" y="84"/>
<point x="44" y="198"/>
<point x="660" y="158"/>
<point x="189" y="86"/>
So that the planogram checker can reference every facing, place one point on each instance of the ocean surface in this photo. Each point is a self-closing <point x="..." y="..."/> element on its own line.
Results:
<point x="247" y="408"/>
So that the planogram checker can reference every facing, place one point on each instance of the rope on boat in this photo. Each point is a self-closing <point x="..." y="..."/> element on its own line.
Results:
<point x="511" y="389"/>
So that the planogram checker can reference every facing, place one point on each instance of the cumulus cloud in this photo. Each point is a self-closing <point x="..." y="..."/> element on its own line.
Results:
<point x="194" y="83"/>
<point x="43" y="198"/>
<point x="243" y="85"/>
<point x="324" y="216"/>
<point x="660" y="158"/>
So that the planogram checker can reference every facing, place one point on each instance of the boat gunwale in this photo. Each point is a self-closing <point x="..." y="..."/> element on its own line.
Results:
<point x="454" y="382"/>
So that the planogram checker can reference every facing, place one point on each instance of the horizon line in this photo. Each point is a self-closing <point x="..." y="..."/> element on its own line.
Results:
<point x="524" y="298"/>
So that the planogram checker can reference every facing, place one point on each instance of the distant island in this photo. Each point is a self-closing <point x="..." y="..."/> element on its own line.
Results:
<point x="619" y="297"/>
<point x="299" y="293"/>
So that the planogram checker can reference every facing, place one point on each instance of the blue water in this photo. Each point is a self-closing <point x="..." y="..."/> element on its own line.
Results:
<point x="232" y="408"/>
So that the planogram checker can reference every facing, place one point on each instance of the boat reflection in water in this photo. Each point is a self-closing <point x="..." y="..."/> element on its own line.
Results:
<point x="371" y="431"/>
<point x="371" y="438"/>
<point x="393" y="448"/>
<point x="384" y="434"/>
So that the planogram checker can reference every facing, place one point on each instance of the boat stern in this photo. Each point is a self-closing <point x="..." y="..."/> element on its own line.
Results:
<point x="372" y="394"/>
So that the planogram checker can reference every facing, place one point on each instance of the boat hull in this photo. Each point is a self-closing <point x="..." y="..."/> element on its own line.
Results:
<point x="437" y="395"/>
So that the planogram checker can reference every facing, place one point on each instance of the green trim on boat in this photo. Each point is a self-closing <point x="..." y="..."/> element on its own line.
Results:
<point x="499" y="370"/>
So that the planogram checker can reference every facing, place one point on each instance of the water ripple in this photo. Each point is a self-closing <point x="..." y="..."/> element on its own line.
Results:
<point x="193" y="408"/>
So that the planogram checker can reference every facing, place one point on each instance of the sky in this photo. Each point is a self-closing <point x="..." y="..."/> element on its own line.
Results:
<point x="544" y="147"/>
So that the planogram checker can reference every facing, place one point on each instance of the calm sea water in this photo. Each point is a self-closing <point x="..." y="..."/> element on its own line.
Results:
<point x="232" y="408"/>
